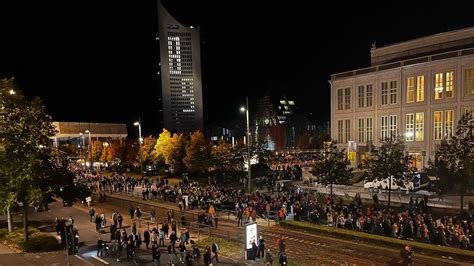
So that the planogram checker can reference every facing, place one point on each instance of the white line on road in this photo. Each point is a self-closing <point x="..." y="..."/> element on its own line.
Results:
<point x="101" y="260"/>
<point x="84" y="260"/>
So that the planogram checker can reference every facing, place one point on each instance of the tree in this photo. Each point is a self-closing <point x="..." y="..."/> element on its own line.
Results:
<point x="163" y="140"/>
<point x="104" y="153"/>
<point x="333" y="168"/>
<point x="113" y="151"/>
<point x="146" y="150"/>
<point x="454" y="159"/>
<point x="198" y="153"/>
<point x="175" y="152"/>
<point x="390" y="162"/>
<point x="26" y="158"/>
<point x="96" y="152"/>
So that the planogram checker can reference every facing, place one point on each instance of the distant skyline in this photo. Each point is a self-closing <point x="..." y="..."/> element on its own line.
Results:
<point x="98" y="62"/>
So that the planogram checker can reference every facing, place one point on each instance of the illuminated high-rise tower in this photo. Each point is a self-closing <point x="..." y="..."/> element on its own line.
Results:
<point x="180" y="74"/>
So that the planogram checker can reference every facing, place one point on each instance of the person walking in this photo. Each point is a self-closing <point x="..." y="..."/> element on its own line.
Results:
<point x="162" y="238"/>
<point x="207" y="256"/>
<point x="119" y="220"/>
<point x="261" y="247"/>
<point x="189" y="259"/>
<point x="138" y="215"/>
<point x="130" y="250"/>
<point x="406" y="254"/>
<point x="171" y="254"/>
<point x="156" y="256"/>
<point x="132" y="212"/>
<point x="268" y="258"/>
<point x="239" y="217"/>
<point x="146" y="238"/>
<point x="182" y="251"/>
<point x="91" y="214"/>
<point x="283" y="260"/>
<point x="215" y="250"/>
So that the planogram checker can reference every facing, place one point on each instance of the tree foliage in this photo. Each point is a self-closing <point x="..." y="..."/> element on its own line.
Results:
<point x="163" y="140"/>
<point x="96" y="151"/>
<point x="333" y="167"/>
<point x="30" y="172"/>
<point x="390" y="162"/>
<point x="175" y="152"/>
<point x="454" y="160"/>
<point x="198" y="153"/>
<point x="146" y="150"/>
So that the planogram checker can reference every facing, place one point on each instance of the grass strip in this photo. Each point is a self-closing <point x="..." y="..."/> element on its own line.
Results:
<point x="419" y="247"/>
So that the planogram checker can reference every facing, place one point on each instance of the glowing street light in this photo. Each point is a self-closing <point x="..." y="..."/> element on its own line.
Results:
<point x="89" y="148"/>
<point x="12" y="92"/>
<point x="140" y="141"/>
<point x="246" y="110"/>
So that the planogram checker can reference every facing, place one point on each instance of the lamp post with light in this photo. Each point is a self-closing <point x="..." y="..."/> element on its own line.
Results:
<point x="83" y="154"/>
<point x="89" y="149"/>
<point x="246" y="110"/>
<point x="140" y="140"/>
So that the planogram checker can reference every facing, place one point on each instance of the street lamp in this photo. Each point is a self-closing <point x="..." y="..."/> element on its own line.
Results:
<point x="140" y="141"/>
<point x="82" y="149"/>
<point x="246" y="110"/>
<point x="89" y="148"/>
<point x="12" y="92"/>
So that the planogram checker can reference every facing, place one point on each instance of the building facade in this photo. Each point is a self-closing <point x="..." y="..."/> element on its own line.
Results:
<point x="418" y="89"/>
<point x="180" y="74"/>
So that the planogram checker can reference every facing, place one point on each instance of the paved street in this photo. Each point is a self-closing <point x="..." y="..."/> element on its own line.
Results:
<point x="300" y="245"/>
<point x="310" y="247"/>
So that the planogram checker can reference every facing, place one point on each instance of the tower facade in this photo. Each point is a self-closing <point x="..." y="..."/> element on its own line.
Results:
<point x="180" y="74"/>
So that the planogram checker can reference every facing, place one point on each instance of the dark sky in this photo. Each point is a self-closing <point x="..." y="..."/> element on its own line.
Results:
<point x="97" y="60"/>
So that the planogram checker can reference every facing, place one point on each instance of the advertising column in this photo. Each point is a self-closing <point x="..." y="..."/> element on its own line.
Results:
<point x="250" y="237"/>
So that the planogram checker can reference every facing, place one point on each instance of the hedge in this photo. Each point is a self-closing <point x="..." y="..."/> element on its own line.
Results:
<point x="38" y="241"/>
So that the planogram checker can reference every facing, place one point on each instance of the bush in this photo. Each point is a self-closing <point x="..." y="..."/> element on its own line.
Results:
<point x="38" y="241"/>
<point x="41" y="242"/>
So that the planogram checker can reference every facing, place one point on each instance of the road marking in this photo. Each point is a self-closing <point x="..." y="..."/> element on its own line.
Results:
<point x="84" y="260"/>
<point x="101" y="260"/>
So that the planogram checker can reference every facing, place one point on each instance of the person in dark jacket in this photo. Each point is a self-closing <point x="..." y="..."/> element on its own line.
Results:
<point x="215" y="250"/>
<point x="283" y="260"/>
<point x="146" y="238"/>
<point x="207" y="256"/>
<point x="261" y="247"/>
<point x="406" y="255"/>
<point x="254" y="250"/>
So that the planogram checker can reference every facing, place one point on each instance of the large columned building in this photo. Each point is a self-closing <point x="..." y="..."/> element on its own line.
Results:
<point x="180" y="74"/>
<point x="418" y="89"/>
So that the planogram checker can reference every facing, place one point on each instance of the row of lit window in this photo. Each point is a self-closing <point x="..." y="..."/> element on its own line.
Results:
<point x="180" y="34"/>
<point x="444" y="86"/>
<point x="414" y="127"/>
<point x="183" y="72"/>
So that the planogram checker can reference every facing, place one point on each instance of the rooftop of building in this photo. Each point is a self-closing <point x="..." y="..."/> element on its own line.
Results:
<point x="444" y="45"/>
<point x="74" y="129"/>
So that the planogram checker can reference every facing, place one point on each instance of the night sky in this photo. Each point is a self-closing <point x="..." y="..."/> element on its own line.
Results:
<point x="97" y="61"/>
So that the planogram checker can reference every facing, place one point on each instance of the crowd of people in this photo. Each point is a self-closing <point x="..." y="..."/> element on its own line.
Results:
<point x="165" y="238"/>
<point x="412" y="222"/>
